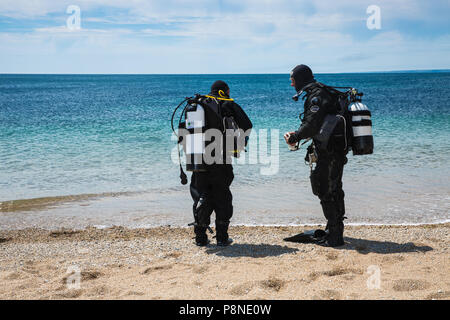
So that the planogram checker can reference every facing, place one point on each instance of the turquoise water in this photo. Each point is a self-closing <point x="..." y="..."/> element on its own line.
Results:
<point x="63" y="135"/>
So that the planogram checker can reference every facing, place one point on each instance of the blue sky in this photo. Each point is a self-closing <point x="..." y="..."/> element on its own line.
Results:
<point x="222" y="36"/>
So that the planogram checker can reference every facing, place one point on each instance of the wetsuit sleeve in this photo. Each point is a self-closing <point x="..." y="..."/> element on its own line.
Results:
<point x="315" y="112"/>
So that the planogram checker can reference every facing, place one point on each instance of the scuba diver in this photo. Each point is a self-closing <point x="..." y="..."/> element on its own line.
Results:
<point x="211" y="180"/>
<point x="327" y="121"/>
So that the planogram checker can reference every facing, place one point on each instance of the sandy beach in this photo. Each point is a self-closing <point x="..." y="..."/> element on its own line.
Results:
<point x="162" y="263"/>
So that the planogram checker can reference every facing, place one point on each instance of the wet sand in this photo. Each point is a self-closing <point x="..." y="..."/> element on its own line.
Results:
<point x="163" y="263"/>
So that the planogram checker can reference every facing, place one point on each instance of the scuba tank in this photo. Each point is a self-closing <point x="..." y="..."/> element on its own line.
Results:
<point x="191" y="135"/>
<point x="195" y="124"/>
<point x="361" y="123"/>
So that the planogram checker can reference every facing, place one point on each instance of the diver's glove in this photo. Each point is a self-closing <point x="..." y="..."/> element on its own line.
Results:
<point x="292" y="138"/>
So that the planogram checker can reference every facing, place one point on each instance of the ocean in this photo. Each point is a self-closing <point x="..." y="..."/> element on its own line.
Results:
<point x="96" y="150"/>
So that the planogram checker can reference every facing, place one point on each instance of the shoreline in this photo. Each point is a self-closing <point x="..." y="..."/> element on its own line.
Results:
<point x="185" y="227"/>
<point x="164" y="263"/>
<point x="147" y="209"/>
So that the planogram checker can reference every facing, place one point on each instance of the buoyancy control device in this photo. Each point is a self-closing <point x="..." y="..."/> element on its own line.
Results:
<point x="355" y="116"/>
<point x="200" y="113"/>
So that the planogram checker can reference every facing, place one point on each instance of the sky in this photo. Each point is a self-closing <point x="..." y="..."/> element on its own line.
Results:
<point x="223" y="36"/>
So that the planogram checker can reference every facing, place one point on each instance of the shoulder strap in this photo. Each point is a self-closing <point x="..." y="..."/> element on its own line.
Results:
<point x="333" y="90"/>
<point x="219" y="98"/>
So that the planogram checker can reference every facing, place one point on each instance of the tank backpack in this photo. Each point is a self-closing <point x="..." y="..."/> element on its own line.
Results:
<point x="357" y="119"/>
<point x="193" y="124"/>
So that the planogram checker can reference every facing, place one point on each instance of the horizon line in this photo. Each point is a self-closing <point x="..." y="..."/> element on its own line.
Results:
<point x="274" y="73"/>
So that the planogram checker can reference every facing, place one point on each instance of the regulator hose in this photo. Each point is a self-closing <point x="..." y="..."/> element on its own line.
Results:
<point x="183" y="177"/>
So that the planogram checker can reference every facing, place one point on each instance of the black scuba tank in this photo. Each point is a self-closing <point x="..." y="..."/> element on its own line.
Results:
<point x="361" y="121"/>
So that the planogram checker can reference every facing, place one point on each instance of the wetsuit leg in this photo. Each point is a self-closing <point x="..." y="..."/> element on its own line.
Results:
<point x="202" y="207"/>
<point x="222" y="199"/>
<point x="326" y="180"/>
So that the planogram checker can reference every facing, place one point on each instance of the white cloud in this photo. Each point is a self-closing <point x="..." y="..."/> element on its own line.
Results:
<point x="204" y="37"/>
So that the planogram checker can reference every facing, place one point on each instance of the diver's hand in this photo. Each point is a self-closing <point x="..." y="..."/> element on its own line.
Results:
<point x="286" y="138"/>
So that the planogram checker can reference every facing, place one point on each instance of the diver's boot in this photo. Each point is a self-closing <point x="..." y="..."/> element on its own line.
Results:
<point x="224" y="243"/>
<point x="201" y="239"/>
<point x="335" y="225"/>
<point x="222" y="234"/>
<point x="335" y="237"/>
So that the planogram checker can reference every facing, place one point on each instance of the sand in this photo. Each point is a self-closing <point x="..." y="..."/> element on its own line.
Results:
<point x="377" y="262"/>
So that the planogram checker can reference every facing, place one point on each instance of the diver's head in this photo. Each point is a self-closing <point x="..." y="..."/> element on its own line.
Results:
<point x="220" y="89"/>
<point x="301" y="76"/>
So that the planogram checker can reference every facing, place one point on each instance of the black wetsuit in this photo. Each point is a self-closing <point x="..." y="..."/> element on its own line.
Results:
<point x="210" y="190"/>
<point x="326" y="178"/>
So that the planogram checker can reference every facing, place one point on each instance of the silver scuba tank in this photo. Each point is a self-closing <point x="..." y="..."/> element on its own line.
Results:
<point x="362" y="139"/>
<point x="195" y="137"/>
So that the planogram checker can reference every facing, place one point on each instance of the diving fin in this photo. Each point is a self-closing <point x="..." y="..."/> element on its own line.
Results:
<point x="309" y="236"/>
